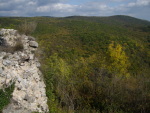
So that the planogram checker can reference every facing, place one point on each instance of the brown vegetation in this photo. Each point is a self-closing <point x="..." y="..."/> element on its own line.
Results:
<point x="27" y="27"/>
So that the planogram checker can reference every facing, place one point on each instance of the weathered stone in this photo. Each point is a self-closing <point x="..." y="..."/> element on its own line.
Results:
<point x="31" y="38"/>
<point x="19" y="79"/>
<point x="14" y="32"/>
<point x="33" y="44"/>
<point x="29" y="98"/>
<point x="1" y="70"/>
<point x="22" y="67"/>
<point x="22" y="64"/>
<point x="2" y="75"/>
<point x="31" y="56"/>
<point x="6" y="62"/>
<point x="1" y="33"/>
<point x="25" y="58"/>
<point x="19" y="87"/>
<point x="26" y="75"/>
<point x="16" y="56"/>
<point x="8" y="76"/>
<point x="2" y="41"/>
<point x="14" y="107"/>
<point x="2" y="55"/>
<point x="38" y="64"/>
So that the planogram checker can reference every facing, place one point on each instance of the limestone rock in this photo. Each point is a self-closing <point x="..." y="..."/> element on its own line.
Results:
<point x="31" y="56"/>
<point x="14" y="107"/>
<point x="1" y="33"/>
<point x="31" y="38"/>
<point x="14" y="32"/>
<point x="1" y="70"/>
<point x="29" y="98"/>
<point x="22" y="67"/>
<point x="33" y="44"/>
<point x="6" y="62"/>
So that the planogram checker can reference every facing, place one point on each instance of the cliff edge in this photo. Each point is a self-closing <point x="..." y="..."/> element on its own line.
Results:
<point x="19" y="65"/>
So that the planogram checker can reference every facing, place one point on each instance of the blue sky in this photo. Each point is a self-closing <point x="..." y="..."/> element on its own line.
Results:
<point x="62" y="8"/>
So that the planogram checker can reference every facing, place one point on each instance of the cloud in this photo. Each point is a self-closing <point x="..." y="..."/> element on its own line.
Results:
<point x="94" y="8"/>
<point x="56" y="7"/>
<point x="137" y="8"/>
<point x="45" y="2"/>
<point x="139" y="3"/>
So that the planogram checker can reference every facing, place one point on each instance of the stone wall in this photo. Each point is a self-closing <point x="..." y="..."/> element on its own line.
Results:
<point x="22" y="67"/>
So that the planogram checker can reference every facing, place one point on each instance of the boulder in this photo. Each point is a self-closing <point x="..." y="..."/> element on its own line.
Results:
<point x="33" y="44"/>
<point x="31" y="38"/>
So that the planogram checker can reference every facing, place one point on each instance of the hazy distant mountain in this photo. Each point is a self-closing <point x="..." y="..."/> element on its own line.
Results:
<point x="117" y="19"/>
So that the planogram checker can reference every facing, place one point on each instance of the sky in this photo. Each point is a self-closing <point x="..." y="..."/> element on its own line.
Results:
<point x="62" y="8"/>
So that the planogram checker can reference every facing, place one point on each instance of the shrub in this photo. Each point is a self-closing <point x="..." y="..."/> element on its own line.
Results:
<point x="27" y="27"/>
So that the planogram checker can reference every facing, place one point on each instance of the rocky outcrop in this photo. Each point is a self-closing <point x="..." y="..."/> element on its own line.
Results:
<point x="22" y="67"/>
<point x="33" y="44"/>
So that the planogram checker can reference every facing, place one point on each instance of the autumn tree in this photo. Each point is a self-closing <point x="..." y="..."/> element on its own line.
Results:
<point x="118" y="59"/>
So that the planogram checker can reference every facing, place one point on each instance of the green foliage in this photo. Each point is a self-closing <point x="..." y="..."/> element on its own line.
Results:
<point x="5" y="96"/>
<point x="86" y="63"/>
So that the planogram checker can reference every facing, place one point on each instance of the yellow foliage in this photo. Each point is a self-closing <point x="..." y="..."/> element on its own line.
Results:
<point x="118" y="58"/>
<point x="64" y="68"/>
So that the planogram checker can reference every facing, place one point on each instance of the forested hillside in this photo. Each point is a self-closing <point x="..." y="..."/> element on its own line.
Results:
<point x="92" y="64"/>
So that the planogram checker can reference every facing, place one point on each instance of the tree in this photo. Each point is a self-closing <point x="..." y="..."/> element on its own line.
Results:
<point x="118" y="59"/>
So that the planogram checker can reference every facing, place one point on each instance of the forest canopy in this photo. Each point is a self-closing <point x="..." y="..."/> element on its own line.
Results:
<point x="92" y="64"/>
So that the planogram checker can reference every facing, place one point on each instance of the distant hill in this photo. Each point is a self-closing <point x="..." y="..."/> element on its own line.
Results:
<point x="117" y="19"/>
<point x="129" y="20"/>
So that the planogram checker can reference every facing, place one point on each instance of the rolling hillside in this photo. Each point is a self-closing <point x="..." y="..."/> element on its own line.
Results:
<point x="93" y="64"/>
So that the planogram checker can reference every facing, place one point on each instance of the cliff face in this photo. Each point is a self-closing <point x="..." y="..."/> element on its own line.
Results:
<point x="19" y="65"/>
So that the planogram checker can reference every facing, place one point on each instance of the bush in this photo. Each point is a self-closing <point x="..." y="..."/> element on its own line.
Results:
<point x="27" y="27"/>
<point x="5" y="96"/>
